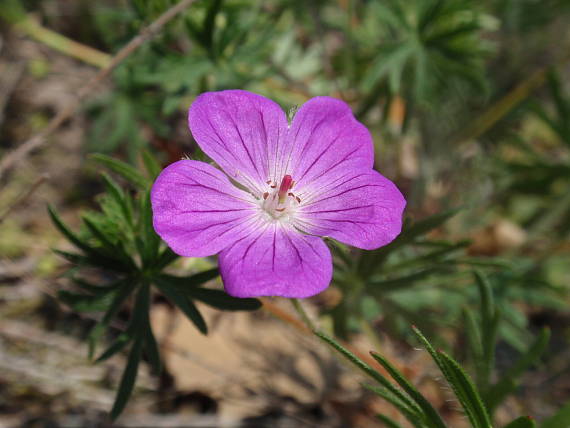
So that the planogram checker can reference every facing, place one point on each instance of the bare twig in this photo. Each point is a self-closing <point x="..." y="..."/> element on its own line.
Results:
<point x="29" y="25"/>
<point x="24" y="197"/>
<point x="39" y="139"/>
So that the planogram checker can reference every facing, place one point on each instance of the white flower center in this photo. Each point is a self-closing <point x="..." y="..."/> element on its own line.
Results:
<point x="280" y="204"/>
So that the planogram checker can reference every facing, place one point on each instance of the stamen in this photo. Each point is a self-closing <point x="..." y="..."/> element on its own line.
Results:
<point x="286" y="184"/>
<point x="265" y="195"/>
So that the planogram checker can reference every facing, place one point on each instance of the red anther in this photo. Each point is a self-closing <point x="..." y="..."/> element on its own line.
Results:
<point x="265" y="195"/>
<point x="290" y="194"/>
<point x="298" y="199"/>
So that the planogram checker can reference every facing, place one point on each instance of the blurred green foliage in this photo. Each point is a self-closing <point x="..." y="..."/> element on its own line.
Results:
<point x="413" y="70"/>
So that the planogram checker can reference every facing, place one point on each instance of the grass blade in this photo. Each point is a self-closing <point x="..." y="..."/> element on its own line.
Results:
<point x="431" y="414"/>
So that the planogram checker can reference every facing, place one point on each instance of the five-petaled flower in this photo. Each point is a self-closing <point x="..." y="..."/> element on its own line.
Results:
<point x="280" y="189"/>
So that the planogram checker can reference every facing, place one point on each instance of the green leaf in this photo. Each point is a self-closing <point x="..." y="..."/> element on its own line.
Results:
<point x="115" y="191"/>
<point x="94" y="289"/>
<point x="149" y="241"/>
<point x="95" y="257"/>
<point x="180" y="299"/>
<point x="490" y="318"/>
<point x="151" y="164"/>
<point x="522" y="422"/>
<point x="126" y="171"/>
<point x="371" y="372"/>
<point x="136" y="326"/>
<point x="389" y="285"/>
<point x="128" y="380"/>
<point x="426" y="225"/>
<point x="85" y="302"/>
<point x="415" y="418"/>
<point x="433" y="418"/>
<point x="151" y="348"/>
<point x="184" y="282"/>
<point x="123" y="292"/>
<point x="460" y="382"/>
<point x="388" y="422"/>
<point x="487" y="303"/>
<point x="71" y="237"/>
<point x="74" y="258"/>
<point x="475" y="344"/>
<point x="164" y="259"/>
<point x="507" y="383"/>
<point x="465" y="391"/>
<point x="117" y="346"/>
<point x="560" y="420"/>
<point x="114" y="251"/>
<point x="221" y="300"/>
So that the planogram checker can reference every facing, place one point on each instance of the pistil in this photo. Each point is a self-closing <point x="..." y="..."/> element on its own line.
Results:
<point x="286" y="185"/>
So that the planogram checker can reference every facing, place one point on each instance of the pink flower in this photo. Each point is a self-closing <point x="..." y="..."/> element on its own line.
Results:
<point x="280" y="189"/>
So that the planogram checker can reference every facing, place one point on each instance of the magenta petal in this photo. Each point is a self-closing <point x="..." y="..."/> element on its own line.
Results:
<point x="276" y="261"/>
<point x="197" y="211"/>
<point x="241" y="131"/>
<point x="324" y="137"/>
<point x="359" y="207"/>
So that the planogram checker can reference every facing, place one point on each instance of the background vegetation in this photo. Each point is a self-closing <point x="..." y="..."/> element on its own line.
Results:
<point x="469" y="107"/>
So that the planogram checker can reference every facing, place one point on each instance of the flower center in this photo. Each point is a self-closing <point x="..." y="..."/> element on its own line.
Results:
<point x="280" y="203"/>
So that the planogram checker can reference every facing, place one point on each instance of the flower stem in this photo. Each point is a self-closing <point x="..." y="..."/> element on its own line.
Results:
<point x="303" y="314"/>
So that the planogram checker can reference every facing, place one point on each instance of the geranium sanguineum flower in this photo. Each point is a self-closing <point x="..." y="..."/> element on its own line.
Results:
<point x="279" y="189"/>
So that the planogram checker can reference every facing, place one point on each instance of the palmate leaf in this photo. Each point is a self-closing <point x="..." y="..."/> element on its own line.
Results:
<point x="426" y="43"/>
